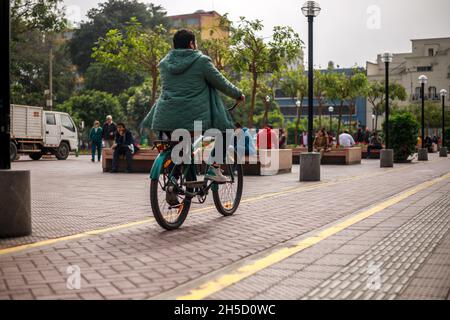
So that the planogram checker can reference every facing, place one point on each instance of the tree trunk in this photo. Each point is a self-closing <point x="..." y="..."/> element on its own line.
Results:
<point x="154" y="86"/>
<point x="297" y="124"/>
<point x="266" y="113"/>
<point x="320" y="113"/>
<point x="376" y="122"/>
<point x="339" y="123"/>
<point x="252" y="104"/>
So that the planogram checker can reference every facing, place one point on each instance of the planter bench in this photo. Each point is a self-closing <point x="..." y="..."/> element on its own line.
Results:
<point x="347" y="156"/>
<point x="374" y="154"/>
<point x="142" y="160"/>
<point x="269" y="163"/>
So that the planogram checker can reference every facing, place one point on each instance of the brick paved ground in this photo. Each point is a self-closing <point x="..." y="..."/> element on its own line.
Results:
<point x="408" y="243"/>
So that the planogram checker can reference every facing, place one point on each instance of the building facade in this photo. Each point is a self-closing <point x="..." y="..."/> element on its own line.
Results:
<point x="209" y="23"/>
<point x="430" y="57"/>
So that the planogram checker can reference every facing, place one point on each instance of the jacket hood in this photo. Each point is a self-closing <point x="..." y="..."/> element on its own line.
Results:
<point x="178" y="61"/>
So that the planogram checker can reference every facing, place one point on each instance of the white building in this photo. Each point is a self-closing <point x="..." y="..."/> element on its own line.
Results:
<point x="430" y="57"/>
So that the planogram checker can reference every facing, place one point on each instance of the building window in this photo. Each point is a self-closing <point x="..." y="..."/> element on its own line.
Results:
<point x="432" y="93"/>
<point x="193" y="22"/>
<point x="417" y="93"/>
<point x="431" y="52"/>
<point x="425" y="69"/>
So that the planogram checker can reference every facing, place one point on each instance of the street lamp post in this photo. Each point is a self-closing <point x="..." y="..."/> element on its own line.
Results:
<point x="387" y="155"/>
<point x="310" y="162"/>
<point x="331" y="110"/>
<point x="5" y="139"/>
<point x="423" y="152"/>
<point x="266" y="113"/>
<point x="15" y="211"/>
<point x="373" y="123"/>
<point x="310" y="9"/>
<point x="443" y="152"/>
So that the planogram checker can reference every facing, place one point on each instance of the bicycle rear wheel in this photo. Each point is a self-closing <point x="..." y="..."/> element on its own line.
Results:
<point x="227" y="196"/>
<point x="170" y="209"/>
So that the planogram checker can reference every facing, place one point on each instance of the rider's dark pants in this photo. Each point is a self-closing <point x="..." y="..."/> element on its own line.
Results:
<point x="225" y="145"/>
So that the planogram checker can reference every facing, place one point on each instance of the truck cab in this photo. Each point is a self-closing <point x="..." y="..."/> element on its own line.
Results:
<point x="37" y="132"/>
<point x="59" y="128"/>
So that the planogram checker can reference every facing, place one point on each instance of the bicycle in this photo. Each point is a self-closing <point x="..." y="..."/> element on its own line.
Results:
<point x="175" y="187"/>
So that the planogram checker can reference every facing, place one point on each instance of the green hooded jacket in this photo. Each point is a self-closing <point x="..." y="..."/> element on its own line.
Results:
<point x="189" y="93"/>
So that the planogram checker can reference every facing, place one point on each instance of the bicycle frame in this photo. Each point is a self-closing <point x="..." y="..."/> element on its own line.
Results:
<point x="190" y="170"/>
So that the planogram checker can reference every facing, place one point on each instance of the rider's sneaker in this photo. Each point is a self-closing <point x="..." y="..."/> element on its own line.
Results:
<point x="215" y="174"/>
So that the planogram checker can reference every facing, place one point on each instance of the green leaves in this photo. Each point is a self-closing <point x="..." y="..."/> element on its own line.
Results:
<point x="251" y="54"/>
<point x="403" y="129"/>
<point x="134" y="51"/>
<point x="42" y="15"/>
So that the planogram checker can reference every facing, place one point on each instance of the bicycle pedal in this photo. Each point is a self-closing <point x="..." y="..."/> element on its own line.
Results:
<point x="194" y="184"/>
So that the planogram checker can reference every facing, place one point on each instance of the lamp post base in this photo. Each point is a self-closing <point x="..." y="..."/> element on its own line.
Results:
<point x="15" y="211"/>
<point x="443" y="153"/>
<point x="310" y="167"/>
<point x="423" y="154"/>
<point x="387" y="158"/>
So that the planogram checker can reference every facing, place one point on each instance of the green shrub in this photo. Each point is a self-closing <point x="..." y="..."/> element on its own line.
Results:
<point x="447" y="137"/>
<point x="403" y="129"/>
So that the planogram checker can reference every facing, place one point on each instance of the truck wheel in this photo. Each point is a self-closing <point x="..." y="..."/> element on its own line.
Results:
<point x="13" y="151"/>
<point x="36" y="156"/>
<point x="63" y="151"/>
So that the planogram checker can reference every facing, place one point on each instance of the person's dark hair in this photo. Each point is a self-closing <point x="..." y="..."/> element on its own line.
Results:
<point x="121" y="124"/>
<point x="183" y="38"/>
<point x="238" y="125"/>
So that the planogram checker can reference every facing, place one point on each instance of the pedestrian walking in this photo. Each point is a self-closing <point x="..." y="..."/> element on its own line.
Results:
<point x="95" y="137"/>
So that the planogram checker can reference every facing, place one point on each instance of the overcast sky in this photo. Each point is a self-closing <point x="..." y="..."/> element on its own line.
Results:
<point x="346" y="31"/>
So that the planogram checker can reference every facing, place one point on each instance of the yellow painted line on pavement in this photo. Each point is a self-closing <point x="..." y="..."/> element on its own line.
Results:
<point x="224" y="281"/>
<point x="205" y="209"/>
<point x="72" y="237"/>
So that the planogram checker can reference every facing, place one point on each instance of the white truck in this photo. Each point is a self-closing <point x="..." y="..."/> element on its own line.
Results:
<point x="35" y="131"/>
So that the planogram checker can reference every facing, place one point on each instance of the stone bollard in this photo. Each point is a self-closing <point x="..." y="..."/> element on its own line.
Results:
<point x="423" y="155"/>
<point x="443" y="153"/>
<point x="387" y="158"/>
<point x="310" y="167"/>
<point x="15" y="200"/>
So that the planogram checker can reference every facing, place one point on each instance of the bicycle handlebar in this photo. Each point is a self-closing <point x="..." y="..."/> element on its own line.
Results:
<point x="234" y="107"/>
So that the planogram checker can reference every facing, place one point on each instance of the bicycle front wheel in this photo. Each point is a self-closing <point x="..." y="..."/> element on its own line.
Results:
<point x="227" y="196"/>
<point x="170" y="209"/>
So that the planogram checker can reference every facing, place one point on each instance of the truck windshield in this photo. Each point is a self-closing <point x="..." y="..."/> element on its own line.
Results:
<point x="67" y="123"/>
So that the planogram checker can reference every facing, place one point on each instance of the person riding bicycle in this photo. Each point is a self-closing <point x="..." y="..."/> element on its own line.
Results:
<point x="190" y="85"/>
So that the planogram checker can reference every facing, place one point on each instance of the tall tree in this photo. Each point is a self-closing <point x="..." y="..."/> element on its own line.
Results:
<point x="358" y="87"/>
<point x="337" y="92"/>
<point x="294" y="83"/>
<point x="134" y="50"/>
<point x="33" y="24"/>
<point x="252" y="54"/>
<point x="113" y="14"/>
<point x="320" y="92"/>
<point x="41" y="15"/>
<point x="376" y="95"/>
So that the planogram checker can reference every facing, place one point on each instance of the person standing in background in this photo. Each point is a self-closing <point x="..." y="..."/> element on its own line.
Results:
<point x="304" y="139"/>
<point x="95" y="137"/>
<point x="109" y="132"/>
